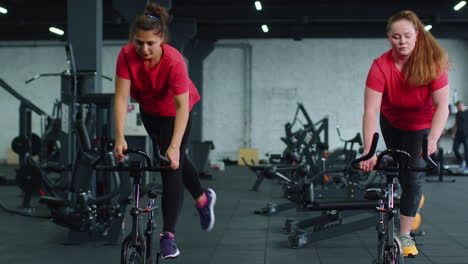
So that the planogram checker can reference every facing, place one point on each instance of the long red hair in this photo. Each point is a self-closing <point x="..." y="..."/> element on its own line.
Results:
<point x="428" y="59"/>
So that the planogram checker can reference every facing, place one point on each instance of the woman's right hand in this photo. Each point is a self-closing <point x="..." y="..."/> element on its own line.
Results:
<point x="120" y="146"/>
<point x="368" y="165"/>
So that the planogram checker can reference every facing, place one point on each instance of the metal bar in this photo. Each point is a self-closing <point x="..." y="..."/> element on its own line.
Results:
<point x="23" y="100"/>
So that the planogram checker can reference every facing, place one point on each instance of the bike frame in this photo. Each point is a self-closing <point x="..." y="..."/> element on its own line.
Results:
<point x="386" y="224"/>
<point x="141" y="242"/>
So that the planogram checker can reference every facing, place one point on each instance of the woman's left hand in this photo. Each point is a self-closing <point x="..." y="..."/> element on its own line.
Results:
<point x="173" y="154"/>
<point x="431" y="145"/>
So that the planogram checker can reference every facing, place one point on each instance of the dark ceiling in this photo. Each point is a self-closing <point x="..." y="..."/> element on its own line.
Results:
<point x="220" y="19"/>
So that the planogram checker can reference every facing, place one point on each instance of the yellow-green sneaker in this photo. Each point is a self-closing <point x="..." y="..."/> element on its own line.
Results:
<point x="408" y="245"/>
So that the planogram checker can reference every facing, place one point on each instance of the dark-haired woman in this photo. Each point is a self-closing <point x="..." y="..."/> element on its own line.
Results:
<point x="155" y="75"/>
<point x="408" y="86"/>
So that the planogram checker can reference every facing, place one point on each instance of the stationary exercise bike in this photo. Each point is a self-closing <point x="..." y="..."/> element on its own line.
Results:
<point x="137" y="246"/>
<point x="389" y="249"/>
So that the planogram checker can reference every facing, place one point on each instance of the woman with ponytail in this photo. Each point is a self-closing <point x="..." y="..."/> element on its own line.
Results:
<point x="155" y="75"/>
<point x="408" y="88"/>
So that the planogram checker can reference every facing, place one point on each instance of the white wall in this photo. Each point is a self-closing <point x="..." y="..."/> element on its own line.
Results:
<point x="327" y="75"/>
<point x="223" y="100"/>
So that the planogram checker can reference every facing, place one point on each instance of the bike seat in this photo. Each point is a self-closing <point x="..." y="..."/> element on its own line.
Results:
<point x="53" y="201"/>
<point x="374" y="194"/>
<point x="153" y="194"/>
<point x="376" y="186"/>
<point x="152" y="191"/>
<point x="55" y="167"/>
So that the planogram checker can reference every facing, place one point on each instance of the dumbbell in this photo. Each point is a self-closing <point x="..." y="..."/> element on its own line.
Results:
<point x="418" y="218"/>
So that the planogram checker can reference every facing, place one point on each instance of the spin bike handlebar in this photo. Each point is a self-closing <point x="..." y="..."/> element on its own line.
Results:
<point x="97" y="163"/>
<point x="395" y="153"/>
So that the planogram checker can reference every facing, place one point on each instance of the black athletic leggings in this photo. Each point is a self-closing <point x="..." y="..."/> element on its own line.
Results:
<point x="173" y="181"/>
<point x="460" y="140"/>
<point x="412" y="182"/>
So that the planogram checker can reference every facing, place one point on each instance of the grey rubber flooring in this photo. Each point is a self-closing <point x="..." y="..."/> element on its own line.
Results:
<point x="239" y="235"/>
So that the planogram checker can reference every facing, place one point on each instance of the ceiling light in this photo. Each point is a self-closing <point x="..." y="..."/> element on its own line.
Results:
<point x="258" y="5"/>
<point x="56" y="31"/>
<point x="265" y="28"/>
<point x="428" y="27"/>
<point x="3" y="10"/>
<point x="459" y="5"/>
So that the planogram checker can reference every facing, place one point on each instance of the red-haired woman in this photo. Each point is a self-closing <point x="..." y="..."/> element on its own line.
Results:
<point x="408" y="88"/>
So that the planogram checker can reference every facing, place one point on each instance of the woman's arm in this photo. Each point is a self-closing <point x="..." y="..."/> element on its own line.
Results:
<point x="182" y="115"/>
<point x="372" y="102"/>
<point x="440" y="99"/>
<point x="122" y="92"/>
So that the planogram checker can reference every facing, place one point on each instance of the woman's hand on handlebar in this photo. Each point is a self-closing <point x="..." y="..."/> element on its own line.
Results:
<point x="173" y="154"/>
<point x="120" y="146"/>
<point x="431" y="145"/>
<point x="368" y="165"/>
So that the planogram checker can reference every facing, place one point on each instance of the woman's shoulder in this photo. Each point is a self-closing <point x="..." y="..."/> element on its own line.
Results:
<point x="384" y="61"/>
<point x="128" y="50"/>
<point x="172" y="55"/>
<point x="385" y="58"/>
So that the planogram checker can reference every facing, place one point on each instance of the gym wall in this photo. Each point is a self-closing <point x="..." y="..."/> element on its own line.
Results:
<point x="326" y="75"/>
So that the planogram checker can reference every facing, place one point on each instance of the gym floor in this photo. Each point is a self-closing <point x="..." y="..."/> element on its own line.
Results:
<point x="239" y="235"/>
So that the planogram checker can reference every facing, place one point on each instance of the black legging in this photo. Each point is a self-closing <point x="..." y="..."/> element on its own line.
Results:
<point x="460" y="140"/>
<point x="412" y="182"/>
<point x="173" y="181"/>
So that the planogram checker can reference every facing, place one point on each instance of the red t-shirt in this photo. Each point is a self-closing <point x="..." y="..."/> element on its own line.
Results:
<point x="407" y="108"/>
<point x="154" y="89"/>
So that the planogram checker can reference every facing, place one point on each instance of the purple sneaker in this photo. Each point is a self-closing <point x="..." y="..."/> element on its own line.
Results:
<point x="168" y="246"/>
<point x="206" y="213"/>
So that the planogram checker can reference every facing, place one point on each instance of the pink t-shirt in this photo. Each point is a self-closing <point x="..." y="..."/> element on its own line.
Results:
<point x="405" y="107"/>
<point x="154" y="89"/>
